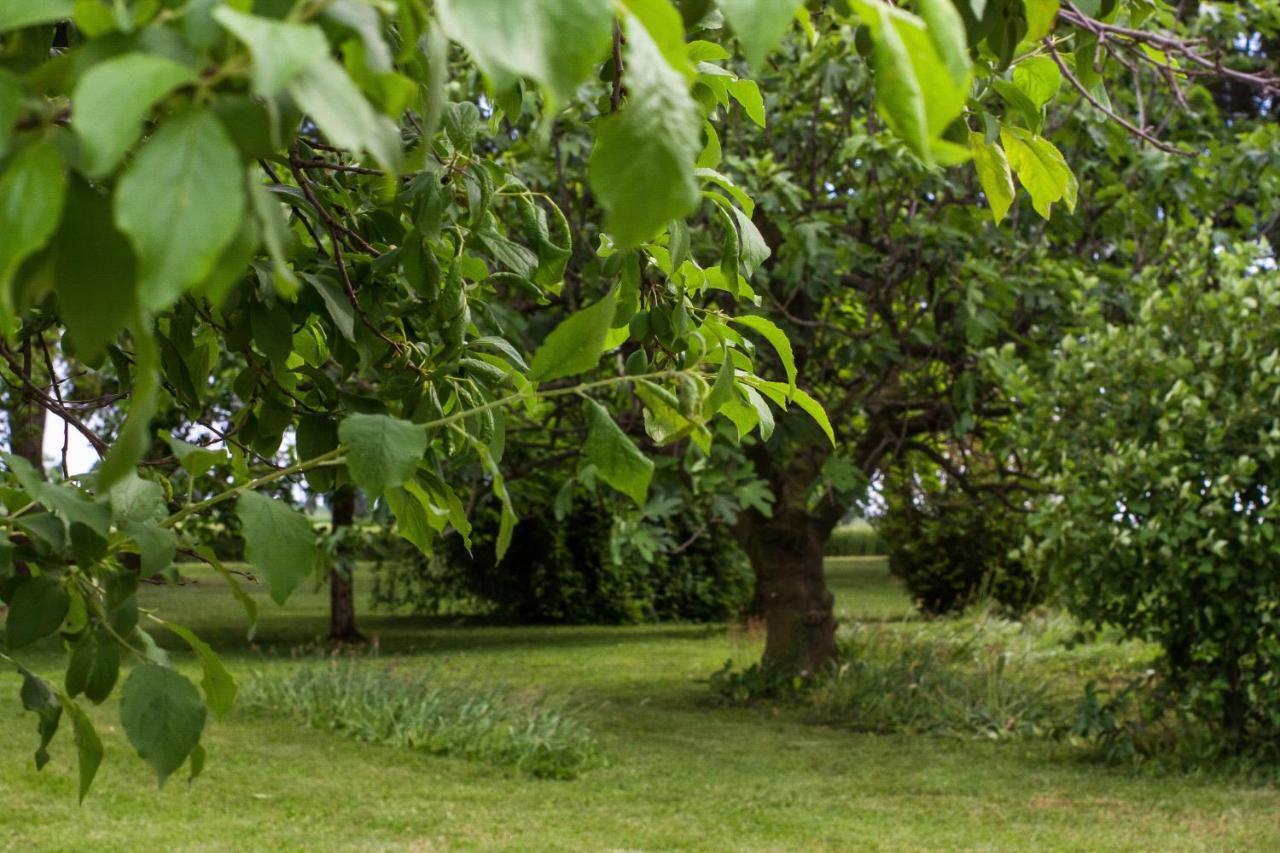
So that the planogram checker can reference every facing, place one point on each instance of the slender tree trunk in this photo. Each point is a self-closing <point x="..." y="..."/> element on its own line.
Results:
<point x="26" y="418"/>
<point x="342" y="600"/>
<point x="786" y="553"/>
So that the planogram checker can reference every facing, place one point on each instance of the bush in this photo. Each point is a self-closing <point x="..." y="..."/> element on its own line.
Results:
<point x="855" y="540"/>
<point x="1160" y="442"/>
<point x="374" y="705"/>
<point x="952" y="547"/>
<point x="891" y="681"/>
<point x="572" y="571"/>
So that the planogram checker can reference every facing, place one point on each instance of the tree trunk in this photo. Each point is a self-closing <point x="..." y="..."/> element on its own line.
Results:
<point x="786" y="553"/>
<point x="26" y="418"/>
<point x="342" y="600"/>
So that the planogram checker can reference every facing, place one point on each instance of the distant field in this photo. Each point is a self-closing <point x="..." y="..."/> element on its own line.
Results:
<point x="684" y="773"/>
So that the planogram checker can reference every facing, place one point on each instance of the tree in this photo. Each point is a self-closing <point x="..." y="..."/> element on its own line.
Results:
<point x="1156" y="438"/>
<point x="292" y="230"/>
<point x="891" y="279"/>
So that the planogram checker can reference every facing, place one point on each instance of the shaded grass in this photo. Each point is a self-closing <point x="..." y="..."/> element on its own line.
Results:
<point x="683" y="773"/>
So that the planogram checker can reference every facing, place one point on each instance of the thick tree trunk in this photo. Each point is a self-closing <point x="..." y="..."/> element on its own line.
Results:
<point x="786" y="552"/>
<point x="342" y="600"/>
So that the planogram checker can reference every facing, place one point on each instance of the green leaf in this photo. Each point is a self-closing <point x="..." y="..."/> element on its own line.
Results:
<point x="180" y="204"/>
<point x="32" y="190"/>
<point x="36" y="610"/>
<point x="94" y="271"/>
<point x="643" y="159"/>
<point x="722" y="391"/>
<point x="661" y="20"/>
<point x="764" y="415"/>
<point x="759" y="24"/>
<point x="278" y="541"/>
<point x="814" y="409"/>
<point x="15" y="14"/>
<point x="1041" y="169"/>
<point x="219" y="686"/>
<point x="754" y="250"/>
<point x="94" y="667"/>
<point x="39" y="698"/>
<point x="156" y="545"/>
<point x="777" y="339"/>
<point x="281" y="51"/>
<point x="382" y="451"/>
<point x="993" y="175"/>
<point x="747" y="93"/>
<point x="88" y="745"/>
<point x="617" y="459"/>
<point x="136" y="499"/>
<point x="1039" y="78"/>
<point x="162" y="715"/>
<point x="922" y="74"/>
<point x="575" y="346"/>
<point x="63" y="500"/>
<point x="1040" y="17"/>
<point x="195" y="460"/>
<point x="336" y="106"/>
<point x="556" y="43"/>
<point x="111" y="101"/>
<point x="246" y="601"/>
<point x="418" y="519"/>
<point x="132" y="440"/>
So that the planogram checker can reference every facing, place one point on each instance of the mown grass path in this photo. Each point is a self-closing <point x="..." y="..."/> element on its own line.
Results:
<point x="685" y="773"/>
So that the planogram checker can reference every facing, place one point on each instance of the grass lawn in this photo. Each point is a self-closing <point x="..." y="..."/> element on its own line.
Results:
<point x="684" y="773"/>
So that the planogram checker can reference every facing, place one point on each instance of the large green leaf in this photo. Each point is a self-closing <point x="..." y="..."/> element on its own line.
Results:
<point x="922" y="74"/>
<point x="643" y="159"/>
<point x="88" y="745"/>
<point x="418" y="519"/>
<point x="180" y="204"/>
<point x="759" y="24"/>
<point x="553" y="42"/>
<point x="382" y="451"/>
<point x="219" y="686"/>
<point x="36" y="610"/>
<point x="575" y="346"/>
<point x="281" y="51"/>
<point x="1040" y="168"/>
<point x="278" y="541"/>
<point x="38" y="697"/>
<point x="15" y="14"/>
<point x="32" y="190"/>
<point x="136" y="499"/>
<point x="335" y="104"/>
<point x="777" y="339"/>
<point x="617" y="459"/>
<point x="162" y="715"/>
<point x="112" y="99"/>
<point x="993" y="174"/>
<point x="94" y="271"/>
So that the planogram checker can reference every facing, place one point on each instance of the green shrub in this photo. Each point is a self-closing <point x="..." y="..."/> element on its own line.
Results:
<point x="1160" y="444"/>
<point x="892" y="681"/>
<point x="855" y="540"/>
<point x="376" y="705"/>
<point x="952" y="547"/>
<point x="571" y="571"/>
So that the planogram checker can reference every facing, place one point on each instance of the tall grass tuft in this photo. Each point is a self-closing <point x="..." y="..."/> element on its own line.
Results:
<point x="855" y="540"/>
<point x="373" y="704"/>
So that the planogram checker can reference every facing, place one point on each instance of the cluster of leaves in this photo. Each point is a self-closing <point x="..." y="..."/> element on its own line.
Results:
<point x="291" y="227"/>
<point x="1158" y="441"/>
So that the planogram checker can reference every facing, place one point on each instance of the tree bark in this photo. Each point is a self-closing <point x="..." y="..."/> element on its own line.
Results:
<point x="786" y="553"/>
<point x="26" y="418"/>
<point x="342" y="600"/>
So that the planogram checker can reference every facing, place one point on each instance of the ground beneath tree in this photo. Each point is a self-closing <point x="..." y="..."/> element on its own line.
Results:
<point x="684" y="773"/>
